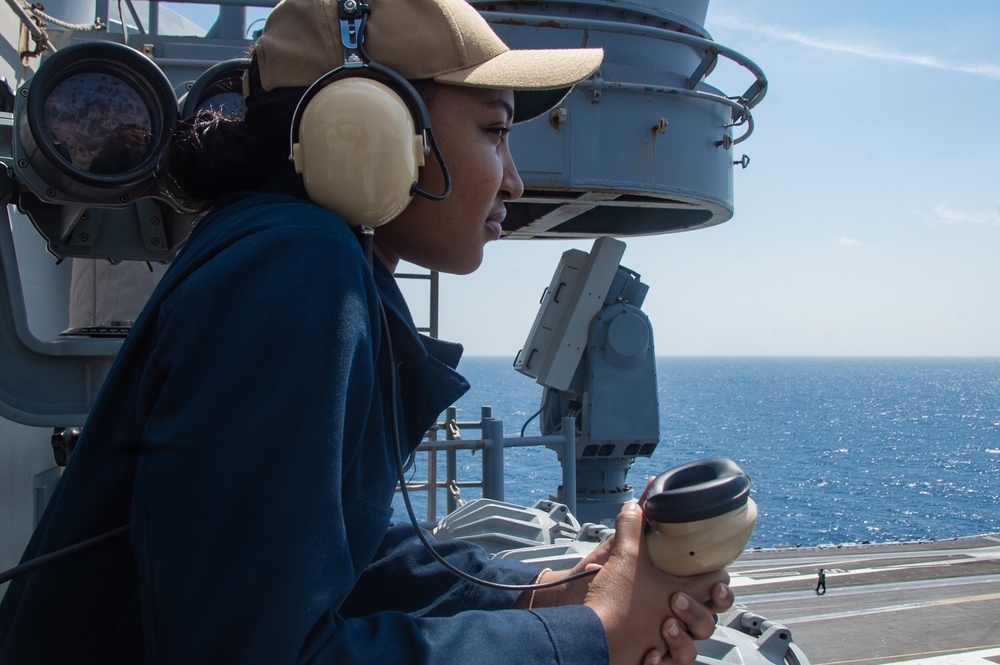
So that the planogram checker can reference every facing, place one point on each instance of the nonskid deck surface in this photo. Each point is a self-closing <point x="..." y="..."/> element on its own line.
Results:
<point x="929" y="602"/>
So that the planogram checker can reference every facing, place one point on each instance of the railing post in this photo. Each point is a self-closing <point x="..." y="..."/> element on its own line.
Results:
<point x="494" y="449"/>
<point x="485" y="417"/>
<point x="569" y="463"/>
<point x="432" y="485"/>
<point x="451" y="458"/>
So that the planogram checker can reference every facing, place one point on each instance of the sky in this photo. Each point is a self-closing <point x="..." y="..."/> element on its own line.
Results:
<point x="868" y="220"/>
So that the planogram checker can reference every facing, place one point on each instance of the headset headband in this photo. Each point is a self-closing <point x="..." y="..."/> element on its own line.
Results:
<point x="353" y="18"/>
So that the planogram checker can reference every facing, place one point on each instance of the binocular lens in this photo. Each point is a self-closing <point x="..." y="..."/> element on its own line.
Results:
<point x="98" y="123"/>
<point x="229" y="104"/>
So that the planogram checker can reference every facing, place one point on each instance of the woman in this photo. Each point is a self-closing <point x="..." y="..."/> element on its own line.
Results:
<point x="246" y="433"/>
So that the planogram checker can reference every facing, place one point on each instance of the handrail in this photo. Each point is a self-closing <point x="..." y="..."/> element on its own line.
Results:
<point x="743" y="117"/>
<point x="493" y="444"/>
<point x="37" y="34"/>
<point x="710" y="52"/>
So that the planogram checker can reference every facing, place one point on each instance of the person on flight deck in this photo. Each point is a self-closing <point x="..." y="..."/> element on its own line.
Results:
<point x="821" y="582"/>
<point x="246" y="432"/>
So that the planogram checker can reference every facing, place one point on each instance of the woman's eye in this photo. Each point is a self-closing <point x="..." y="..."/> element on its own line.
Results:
<point x="501" y="132"/>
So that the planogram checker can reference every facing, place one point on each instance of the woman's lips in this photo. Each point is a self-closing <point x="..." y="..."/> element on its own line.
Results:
<point x="495" y="222"/>
<point x="495" y="227"/>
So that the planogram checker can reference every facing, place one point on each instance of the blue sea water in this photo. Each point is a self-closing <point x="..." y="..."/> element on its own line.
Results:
<point x="840" y="450"/>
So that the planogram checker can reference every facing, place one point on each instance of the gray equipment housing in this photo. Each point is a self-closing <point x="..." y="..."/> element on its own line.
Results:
<point x="644" y="147"/>
<point x="591" y="348"/>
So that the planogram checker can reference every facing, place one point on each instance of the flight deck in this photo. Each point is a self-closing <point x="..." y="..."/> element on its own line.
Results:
<point x="924" y="602"/>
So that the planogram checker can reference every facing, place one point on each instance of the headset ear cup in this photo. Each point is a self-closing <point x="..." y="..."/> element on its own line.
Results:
<point x="358" y="151"/>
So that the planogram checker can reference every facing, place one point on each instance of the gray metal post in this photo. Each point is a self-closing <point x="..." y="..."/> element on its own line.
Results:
<point x="485" y="418"/>
<point x="569" y="463"/>
<point x="485" y="424"/>
<point x="154" y="17"/>
<point x="432" y="485"/>
<point x="494" y="448"/>
<point x="435" y="279"/>
<point x="451" y="460"/>
<point x="231" y="24"/>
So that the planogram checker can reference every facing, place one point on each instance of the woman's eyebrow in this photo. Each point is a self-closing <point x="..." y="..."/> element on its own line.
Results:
<point x="501" y="103"/>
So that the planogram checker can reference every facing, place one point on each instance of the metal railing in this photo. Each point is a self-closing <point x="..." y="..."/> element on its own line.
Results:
<point x="740" y="105"/>
<point x="492" y="444"/>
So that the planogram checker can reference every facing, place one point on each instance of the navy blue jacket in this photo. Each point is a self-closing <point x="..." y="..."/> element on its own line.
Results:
<point x="242" y="434"/>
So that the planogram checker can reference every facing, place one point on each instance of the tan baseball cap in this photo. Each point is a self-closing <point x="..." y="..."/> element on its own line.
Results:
<point x="444" y="40"/>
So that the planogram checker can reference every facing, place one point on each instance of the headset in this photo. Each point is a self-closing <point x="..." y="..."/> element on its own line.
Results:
<point x="360" y="134"/>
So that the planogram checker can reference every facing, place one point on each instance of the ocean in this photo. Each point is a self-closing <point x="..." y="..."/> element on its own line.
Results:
<point x="839" y="450"/>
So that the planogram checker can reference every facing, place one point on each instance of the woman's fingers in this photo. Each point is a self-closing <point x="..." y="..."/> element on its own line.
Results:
<point x="696" y="617"/>
<point x="722" y="598"/>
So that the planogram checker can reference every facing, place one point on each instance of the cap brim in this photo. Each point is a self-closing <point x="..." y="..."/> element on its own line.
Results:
<point x="529" y="104"/>
<point x="540" y="78"/>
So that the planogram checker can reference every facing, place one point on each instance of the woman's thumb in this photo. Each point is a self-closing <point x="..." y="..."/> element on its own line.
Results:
<point x="629" y="526"/>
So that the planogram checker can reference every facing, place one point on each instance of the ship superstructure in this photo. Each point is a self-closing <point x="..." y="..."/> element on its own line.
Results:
<point x="646" y="146"/>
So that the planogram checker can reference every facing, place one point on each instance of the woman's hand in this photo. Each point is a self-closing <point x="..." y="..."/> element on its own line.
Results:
<point x="571" y="593"/>
<point x="638" y="604"/>
<point x="650" y="616"/>
<point x="681" y="650"/>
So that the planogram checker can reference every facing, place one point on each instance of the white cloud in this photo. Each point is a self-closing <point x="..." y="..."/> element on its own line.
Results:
<point x="849" y="242"/>
<point x="945" y="214"/>
<point x="989" y="70"/>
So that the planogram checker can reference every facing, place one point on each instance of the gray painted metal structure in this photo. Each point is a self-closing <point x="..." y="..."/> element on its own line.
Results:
<point x="644" y="147"/>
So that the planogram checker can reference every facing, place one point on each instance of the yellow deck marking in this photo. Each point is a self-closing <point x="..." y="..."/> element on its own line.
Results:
<point x="978" y="655"/>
